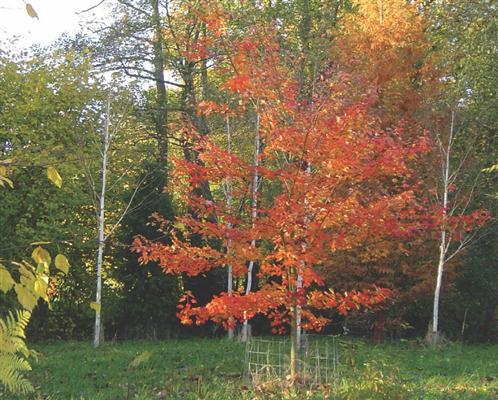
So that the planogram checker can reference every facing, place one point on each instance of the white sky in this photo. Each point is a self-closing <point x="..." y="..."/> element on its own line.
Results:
<point x="56" y="17"/>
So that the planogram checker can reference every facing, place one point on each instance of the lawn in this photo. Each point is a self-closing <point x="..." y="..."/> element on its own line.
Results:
<point x="212" y="369"/>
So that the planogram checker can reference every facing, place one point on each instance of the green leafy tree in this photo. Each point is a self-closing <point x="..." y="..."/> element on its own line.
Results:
<point x="464" y="34"/>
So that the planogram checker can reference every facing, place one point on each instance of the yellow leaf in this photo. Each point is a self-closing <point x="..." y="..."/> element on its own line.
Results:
<point x="95" y="306"/>
<point x="180" y="226"/>
<point x="54" y="176"/>
<point x="41" y="286"/>
<point x="41" y="256"/>
<point x="140" y="359"/>
<point x="25" y="269"/>
<point x="25" y="296"/>
<point x="28" y="280"/>
<point x="31" y="11"/>
<point x="6" y="281"/>
<point x="61" y="263"/>
<point x="4" y="180"/>
<point x="42" y="268"/>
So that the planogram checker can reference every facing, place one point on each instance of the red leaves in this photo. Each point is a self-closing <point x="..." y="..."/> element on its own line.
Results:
<point x="206" y="107"/>
<point x="228" y="308"/>
<point x="338" y="167"/>
<point x="271" y="300"/>
<point x="349" y="301"/>
<point x="178" y="257"/>
<point x="237" y="84"/>
<point x="456" y="224"/>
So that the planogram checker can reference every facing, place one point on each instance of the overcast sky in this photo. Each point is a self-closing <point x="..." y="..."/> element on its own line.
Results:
<point x="55" y="18"/>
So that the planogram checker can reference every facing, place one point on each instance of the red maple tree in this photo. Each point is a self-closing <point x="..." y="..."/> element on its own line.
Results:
<point x="324" y="157"/>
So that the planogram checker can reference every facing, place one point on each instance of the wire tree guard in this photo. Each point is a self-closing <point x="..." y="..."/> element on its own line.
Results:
<point x="267" y="361"/>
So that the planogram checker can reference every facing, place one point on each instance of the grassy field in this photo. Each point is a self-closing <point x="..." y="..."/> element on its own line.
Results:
<point x="212" y="369"/>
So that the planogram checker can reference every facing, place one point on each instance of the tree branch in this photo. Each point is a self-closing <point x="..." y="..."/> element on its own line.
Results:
<point x="125" y="211"/>
<point x="90" y="9"/>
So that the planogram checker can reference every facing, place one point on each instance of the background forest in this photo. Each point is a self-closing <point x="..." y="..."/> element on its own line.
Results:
<point x="153" y="97"/>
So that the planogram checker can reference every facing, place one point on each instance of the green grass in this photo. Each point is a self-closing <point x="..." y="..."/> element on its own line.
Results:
<point x="212" y="369"/>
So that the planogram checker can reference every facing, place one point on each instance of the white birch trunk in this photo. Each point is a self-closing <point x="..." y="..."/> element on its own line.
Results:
<point x="299" y="332"/>
<point x="229" y="207"/>
<point x="443" y="245"/>
<point x="100" y="228"/>
<point x="299" y="282"/>
<point x="254" y="214"/>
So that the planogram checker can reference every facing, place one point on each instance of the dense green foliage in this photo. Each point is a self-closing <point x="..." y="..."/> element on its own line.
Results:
<point x="51" y="115"/>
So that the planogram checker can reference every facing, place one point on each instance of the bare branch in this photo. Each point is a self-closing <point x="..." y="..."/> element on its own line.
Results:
<point x="121" y="176"/>
<point x="126" y="70"/>
<point x="125" y="211"/>
<point x="90" y="9"/>
<point x="462" y="245"/>
<point x="458" y="203"/>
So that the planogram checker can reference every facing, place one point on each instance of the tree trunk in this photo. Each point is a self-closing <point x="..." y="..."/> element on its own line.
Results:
<point x="100" y="228"/>
<point x="98" y="296"/>
<point x="294" y="350"/>
<point x="305" y="26"/>
<point x="443" y="245"/>
<point x="229" y="207"/>
<point x="304" y="36"/>
<point x="254" y="214"/>
<point x="379" y="327"/>
<point x="204" y="286"/>
<point x="437" y="292"/>
<point x="299" y="278"/>
<point x="298" y="313"/>
<point x="161" y="117"/>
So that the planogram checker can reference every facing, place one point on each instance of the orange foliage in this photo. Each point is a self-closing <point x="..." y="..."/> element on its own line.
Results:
<point x="384" y="49"/>
<point x="331" y="155"/>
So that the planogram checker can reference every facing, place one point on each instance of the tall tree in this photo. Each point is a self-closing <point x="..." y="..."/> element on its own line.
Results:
<point x="317" y="210"/>
<point x="112" y="131"/>
<point x="464" y="40"/>
<point x="457" y="224"/>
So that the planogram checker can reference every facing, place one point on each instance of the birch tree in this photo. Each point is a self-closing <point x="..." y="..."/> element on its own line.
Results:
<point x="100" y="191"/>
<point x="228" y="197"/>
<point x="457" y="227"/>
<point x="100" y="228"/>
<point x="254" y="215"/>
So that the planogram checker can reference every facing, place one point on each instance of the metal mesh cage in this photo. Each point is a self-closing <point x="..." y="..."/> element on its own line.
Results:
<point x="267" y="360"/>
